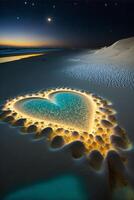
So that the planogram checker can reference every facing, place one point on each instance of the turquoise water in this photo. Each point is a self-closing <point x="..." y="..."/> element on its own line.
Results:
<point x="61" y="188"/>
<point x="66" y="107"/>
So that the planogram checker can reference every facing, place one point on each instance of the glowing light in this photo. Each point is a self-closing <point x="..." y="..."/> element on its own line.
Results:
<point x="49" y="19"/>
<point x="66" y="116"/>
<point x="23" y="42"/>
<point x="106" y="4"/>
<point x="13" y="58"/>
<point x="27" y="41"/>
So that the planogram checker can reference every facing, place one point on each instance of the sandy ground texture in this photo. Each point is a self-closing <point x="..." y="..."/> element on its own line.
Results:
<point x="24" y="161"/>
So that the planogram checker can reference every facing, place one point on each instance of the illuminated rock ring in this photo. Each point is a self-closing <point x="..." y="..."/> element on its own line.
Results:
<point x="66" y="116"/>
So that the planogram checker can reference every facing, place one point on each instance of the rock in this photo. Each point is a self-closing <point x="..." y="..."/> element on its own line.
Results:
<point x="104" y="102"/>
<point x="117" y="175"/>
<point x="94" y="95"/>
<point x="66" y="131"/>
<point x="32" y="129"/>
<point x="8" y="119"/>
<point x="99" y="139"/>
<point x="106" y="123"/>
<point x="14" y="114"/>
<point x="95" y="159"/>
<point x="59" y="130"/>
<point x="3" y="114"/>
<point x="105" y="110"/>
<point x="20" y="122"/>
<point x="77" y="149"/>
<point x="57" y="142"/>
<point x="85" y="134"/>
<point x="91" y="136"/>
<point x="81" y="137"/>
<point x="100" y="130"/>
<point x="7" y="112"/>
<point x="75" y="134"/>
<point x="118" y="141"/>
<point x="119" y="131"/>
<point x="112" y="118"/>
<point x="46" y="132"/>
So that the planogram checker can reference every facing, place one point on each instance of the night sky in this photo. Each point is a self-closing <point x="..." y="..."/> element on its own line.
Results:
<point x="65" y="23"/>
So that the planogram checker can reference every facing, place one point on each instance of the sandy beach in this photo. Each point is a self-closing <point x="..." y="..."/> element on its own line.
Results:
<point x="24" y="161"/>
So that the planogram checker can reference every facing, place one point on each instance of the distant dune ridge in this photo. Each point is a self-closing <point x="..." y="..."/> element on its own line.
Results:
<point x="112" y="66"/>
<point x="121" y="51"/>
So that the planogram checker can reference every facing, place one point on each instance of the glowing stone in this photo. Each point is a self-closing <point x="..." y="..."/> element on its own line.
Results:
<point x="64" y="116"/>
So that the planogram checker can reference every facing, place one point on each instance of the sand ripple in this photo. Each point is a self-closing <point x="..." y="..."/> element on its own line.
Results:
<point x="110" y="75"/>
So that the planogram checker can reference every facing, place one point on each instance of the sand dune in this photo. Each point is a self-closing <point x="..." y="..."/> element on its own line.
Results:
<point x="111" y="66"/>
<point x="120" y="52"/>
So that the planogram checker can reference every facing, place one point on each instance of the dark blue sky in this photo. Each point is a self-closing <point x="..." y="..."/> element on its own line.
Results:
<point x="75" y="23"/>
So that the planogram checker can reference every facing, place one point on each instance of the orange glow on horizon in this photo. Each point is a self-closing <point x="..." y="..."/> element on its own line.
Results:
<point x="25" y="42"/>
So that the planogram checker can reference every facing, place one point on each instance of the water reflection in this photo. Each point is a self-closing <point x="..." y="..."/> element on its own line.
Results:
<point x="18" y="57"/>
<point x="67" y="187"/>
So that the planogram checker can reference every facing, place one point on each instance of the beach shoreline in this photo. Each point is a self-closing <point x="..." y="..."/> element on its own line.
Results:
<point x="19" y="153"/>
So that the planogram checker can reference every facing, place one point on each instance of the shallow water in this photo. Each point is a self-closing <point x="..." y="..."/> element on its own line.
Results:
<point x="63" y="107"/>
<point x="65" y="187"/>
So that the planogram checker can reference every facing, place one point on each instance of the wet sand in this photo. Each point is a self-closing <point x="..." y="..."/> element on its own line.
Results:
<point x="24" y="161"/>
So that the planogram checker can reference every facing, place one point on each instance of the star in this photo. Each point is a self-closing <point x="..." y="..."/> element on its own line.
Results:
<point x="25" y="2"/>
<point x="116" y="4"/>
<point x="49" y="19"/>
<point x="54" y="6"/>
<point x="105" y="4"/>
<point x="18" y="18"/>
<point x="33" y="4"/>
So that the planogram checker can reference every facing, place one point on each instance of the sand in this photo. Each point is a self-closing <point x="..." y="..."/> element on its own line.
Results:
<point x="25" y="161"/>
<point x="110" y="66"/>
<point x="121" y="51"/>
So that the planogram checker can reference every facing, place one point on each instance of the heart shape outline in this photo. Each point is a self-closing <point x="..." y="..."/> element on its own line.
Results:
<point x="77" y="114"/>
<point x="103" y="133"/>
